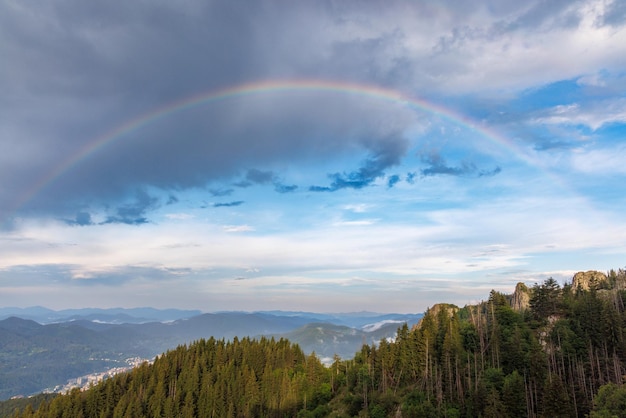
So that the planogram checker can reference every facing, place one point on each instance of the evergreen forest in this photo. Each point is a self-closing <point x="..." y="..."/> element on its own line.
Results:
<point x="549" y="350"/>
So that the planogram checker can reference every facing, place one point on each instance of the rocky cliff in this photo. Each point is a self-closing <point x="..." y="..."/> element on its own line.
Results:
<point x="520" y="301"/>
<point x="584" y="280"/>
<point x="434" y="311"/>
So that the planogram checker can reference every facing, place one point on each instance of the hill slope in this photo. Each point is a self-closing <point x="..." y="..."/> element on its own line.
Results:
<point x="34" y="357"/>
<point x="563" y="355"/>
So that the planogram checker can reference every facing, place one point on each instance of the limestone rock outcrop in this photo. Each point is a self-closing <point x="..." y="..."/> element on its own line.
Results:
<point x="584" y="280"/>
<point x="521" y="298"/>
<point x="434" y="311"/>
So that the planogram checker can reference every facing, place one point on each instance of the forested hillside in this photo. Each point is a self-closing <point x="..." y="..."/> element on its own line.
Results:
<point x="545" y="351"/>
<point x="36" y="357"/>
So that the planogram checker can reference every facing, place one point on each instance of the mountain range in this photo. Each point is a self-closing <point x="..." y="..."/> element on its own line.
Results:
<point x="111" y="315"/>
<point x="543" y="351"/>
<point x="45" y="348"/>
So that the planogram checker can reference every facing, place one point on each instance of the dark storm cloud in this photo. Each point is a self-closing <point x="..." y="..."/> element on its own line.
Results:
<point x="387" y="154"/>
<point x="228" y="204"/>
<point x="353" y="180"/>
<point x="259" y="176"/>
<point x="134" y="213"/>
<point x="365" y="53"/>
<point x="77" y="72"/>
<point x="393" y="180"/>
<point x="104" y="70"/>
<point x="615" y="14"/>
<point x="437" y="165"/>
<point x="81" y="219"/>
<point x="539" y="12"/>
<point x="284" y="188"/>
<point x="489" y="173"/>
<point x="221" y="192"/>
<point x="528" y="15"/>
<point x="254" y="176"/>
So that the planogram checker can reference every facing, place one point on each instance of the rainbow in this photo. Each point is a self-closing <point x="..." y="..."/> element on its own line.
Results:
<point x="258" y="88"/>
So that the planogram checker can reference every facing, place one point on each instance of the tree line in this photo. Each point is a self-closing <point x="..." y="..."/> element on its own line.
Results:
<point x="564" y="355"/>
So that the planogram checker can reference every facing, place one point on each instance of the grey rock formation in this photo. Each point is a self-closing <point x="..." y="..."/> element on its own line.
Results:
<point x="585" y="280"/>
<point x="435" y="310"/>
<point x="521" y="297"/>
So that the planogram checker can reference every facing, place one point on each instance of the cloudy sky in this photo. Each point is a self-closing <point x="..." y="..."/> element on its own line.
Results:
<point x="314" y="155"/>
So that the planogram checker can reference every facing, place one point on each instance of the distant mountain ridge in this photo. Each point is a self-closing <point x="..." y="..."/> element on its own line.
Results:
<point x="45" y="316"/>
<point x="108" y="315"/>
<point x="37" y="355"/>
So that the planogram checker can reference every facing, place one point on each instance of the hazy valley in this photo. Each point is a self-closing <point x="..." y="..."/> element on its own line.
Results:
<point x="52" y="347"/>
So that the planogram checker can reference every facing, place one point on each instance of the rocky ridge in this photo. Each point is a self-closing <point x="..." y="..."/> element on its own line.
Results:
<point x="585" y="280"/>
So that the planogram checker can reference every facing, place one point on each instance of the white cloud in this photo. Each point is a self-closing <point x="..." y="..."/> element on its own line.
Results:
<point x="481" y="237"/>
<point x="179" y="216"/>
<point x="594" y="114"/>
<point x="607" y="162"/>
<point x="238" y="228"/>
<point x="481" y="57"/>
<point x="360" y="222"/>
<point x="358" y="207"/>
<point x="595" y="80"/>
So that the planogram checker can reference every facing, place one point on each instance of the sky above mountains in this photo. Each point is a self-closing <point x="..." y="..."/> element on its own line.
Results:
<point x="320" y="156"/>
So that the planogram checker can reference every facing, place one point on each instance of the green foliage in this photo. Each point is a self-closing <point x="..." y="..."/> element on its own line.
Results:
<point x="484" y="360"/>
<point x="556" y="401"/>
<point x="9" y="407"/>
<point x="610" y="402"/>
<point x="208" y="378"/>
<point x="417" y="405"/>
<point x="514" y="395"/>
<point x="545" y="299"/>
